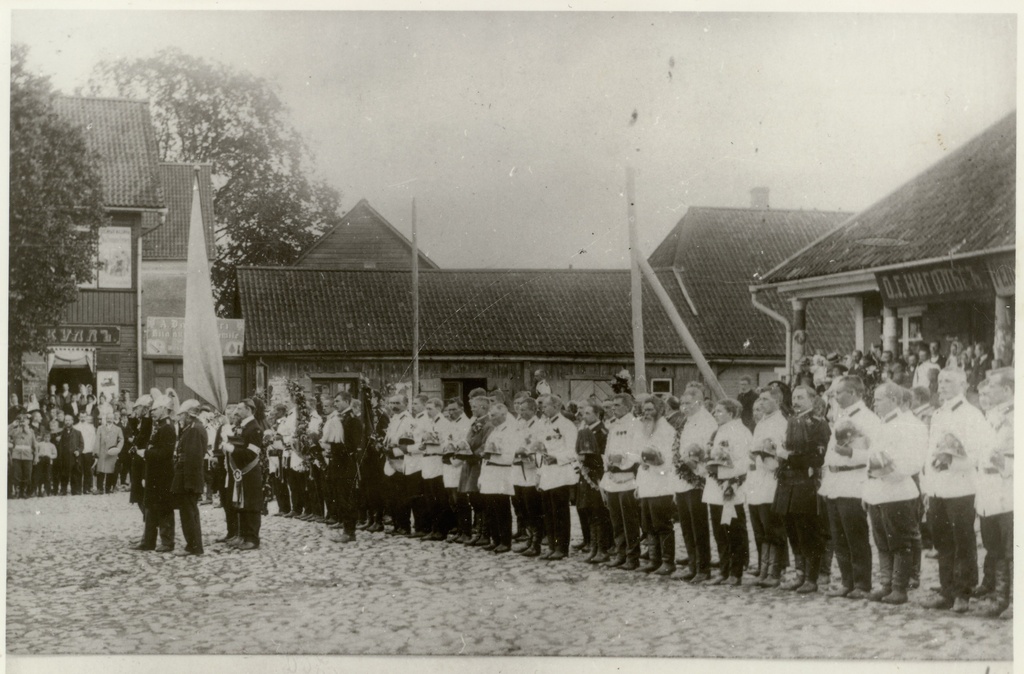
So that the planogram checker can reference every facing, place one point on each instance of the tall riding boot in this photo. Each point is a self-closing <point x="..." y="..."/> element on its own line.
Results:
<point x="798" y="579"/>
<point x="902" y="565"/>
<point x="599" y="544"/>
<point x="915" y="565"/>
<point x="668" y="554"/>
<point x="988" y="579"/>
<point x="528" y="541"/>
<point x="825" y="567"/>
<point x="762" y="567"/>
<point x="999" y="599"/>
<point x="654" y="554"/>
<point x="773" y="567"/>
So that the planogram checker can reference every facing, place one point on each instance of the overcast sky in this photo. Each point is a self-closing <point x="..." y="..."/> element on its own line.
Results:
<point x="513" y="130"/>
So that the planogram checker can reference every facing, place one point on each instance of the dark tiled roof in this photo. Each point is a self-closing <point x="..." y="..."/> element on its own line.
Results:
<point x="121" y="133"/>
<point x="362" y="237"/>
<point x="720" y="252"/>
<point x="518" y="312"/>
<point x="963" y="204"/>
<point x="170" y="240"/>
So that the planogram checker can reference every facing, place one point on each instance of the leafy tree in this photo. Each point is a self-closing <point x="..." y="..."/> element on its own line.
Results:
<point x="267" y="206"/>
<point x="56" y="209"/>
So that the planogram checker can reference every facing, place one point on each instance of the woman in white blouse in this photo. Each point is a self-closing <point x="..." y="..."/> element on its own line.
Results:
<point x="727" y="468"/>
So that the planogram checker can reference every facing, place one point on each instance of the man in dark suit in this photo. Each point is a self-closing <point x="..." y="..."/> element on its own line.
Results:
<point x="343" y="438"/>
<point x="747" y="396"/>
<point x="159" y="457"/>
<point x="796" y="496"/>
<point x="245" y="478"/>
<point x="187" y="485"/>
<point x="69" y="447"/>
<point x="590" y="445"/>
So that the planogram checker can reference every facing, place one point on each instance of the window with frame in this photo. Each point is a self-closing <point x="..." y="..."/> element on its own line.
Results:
<point x="661" y="387"/>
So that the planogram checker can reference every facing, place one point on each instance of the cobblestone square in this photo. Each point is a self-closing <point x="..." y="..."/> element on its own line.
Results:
<point x="74" y="587"/>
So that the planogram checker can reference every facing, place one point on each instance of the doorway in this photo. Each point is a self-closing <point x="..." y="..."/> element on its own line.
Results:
<point x="460" y="388"/>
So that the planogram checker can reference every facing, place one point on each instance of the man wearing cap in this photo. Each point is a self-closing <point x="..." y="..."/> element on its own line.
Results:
<point x="959" y="438"/>
<point x="187" y="483"/>
<point x="995" y="497"/>
<point x="842" y="484"/>
<point x="159" y="515"/>
<point x="140" y="429"/>
<point x="21" y="442"/>
<point x="591" y="442"/>
<point x="245" y="478"/>
<point x="896" y="453"/>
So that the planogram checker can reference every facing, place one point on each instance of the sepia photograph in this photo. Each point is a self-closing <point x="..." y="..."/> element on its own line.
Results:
<point x="553" y="332"/>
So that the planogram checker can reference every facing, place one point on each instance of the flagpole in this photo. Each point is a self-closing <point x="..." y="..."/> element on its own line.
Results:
<point x="415" y="306"/>
<point x="639" y="360"/>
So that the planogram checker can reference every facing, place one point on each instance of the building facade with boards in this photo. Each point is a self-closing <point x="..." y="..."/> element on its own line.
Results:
<point x="97" y="342"/>
<point x="935" y="260"/>
<point x="335" y="318"/>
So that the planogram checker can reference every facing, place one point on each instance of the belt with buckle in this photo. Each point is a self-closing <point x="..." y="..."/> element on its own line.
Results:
<point x="843" y="469"/>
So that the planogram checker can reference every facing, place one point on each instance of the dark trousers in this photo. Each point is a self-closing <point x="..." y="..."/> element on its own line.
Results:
<point x="297" y="490"/>
<point x="124" y="464"/>
<point x="731" y="541"/>
<point x="952" y="522"/>
<point x="693" y="520"/>
<point x="769" y="529"/>
<point x="315" y="491"/>
<point x="803" y="528"/>
<point x="106" y="482"/>
<point x="230" y="512"/>
<point x="398" y="490"/>
<point x="43" y="477"/>
<point x="584" y="516"/>
<point x="61" y="477"/>
<point x="556" y="518"/>
<point x="533" y="511"/>
<point x="418" y="504"/>
<point x="442" y="516"/>
<point x="601" y="529"/>
<point x="22" y="476"/>
<point x="158" y="520"/>
<point x="893" y="526"/>
<point x="518" y="511"/>
<point x="373" y="496"/>
<point x="476" y="500"/>
<point x="499" y="518"/>
<point x="279" y="484"/>
<point x="249" y="522"/>
<point x="656" y="517"/>
<point x="624" y="511"/>
<point x="188" y="512"/>
<point x="848" y="524"/>
<point x="459" y="502"/>
<point x="345" y="497"/>
<point x="997" y="537"/>
<point x="85" y="462"/>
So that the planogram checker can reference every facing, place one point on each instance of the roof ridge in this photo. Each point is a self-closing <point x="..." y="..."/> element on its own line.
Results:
<point x="471" y="270"/>
<point x="766" y="210"/>
<point x="120" y="99"/>
<point x="186" y="163"/>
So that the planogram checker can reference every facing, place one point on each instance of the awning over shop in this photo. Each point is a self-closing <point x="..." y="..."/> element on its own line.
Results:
<point x="70" y="356"/>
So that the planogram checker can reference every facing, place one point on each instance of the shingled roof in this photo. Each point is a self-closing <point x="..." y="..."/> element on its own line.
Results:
<point x="719" y="253"/>
<point x="963" y="204"/>
<point x="170" y="240"/>
<point x="362" y="238"/>
<point x="475" y="312"/>
<point x="121" y="132"/>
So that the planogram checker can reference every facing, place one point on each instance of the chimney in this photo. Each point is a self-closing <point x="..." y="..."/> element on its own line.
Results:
<point x="759" y="197"/>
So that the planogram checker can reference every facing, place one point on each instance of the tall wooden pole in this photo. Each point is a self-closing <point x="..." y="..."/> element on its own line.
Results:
<point x="639" y="361"/>
<point x="415" y="306"/>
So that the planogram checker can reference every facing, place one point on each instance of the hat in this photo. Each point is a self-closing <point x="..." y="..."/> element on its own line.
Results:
<point x="145" y="400"/>
<point x="766" y="447"/>
<point x="190" y="407"/>
<point x="832" y="357"/>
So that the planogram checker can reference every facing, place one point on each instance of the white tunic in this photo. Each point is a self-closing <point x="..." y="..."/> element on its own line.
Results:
<point x="698" y="430"/>
<point x="837" y="480"/>
<point x="660" y="480"/>
<point x="431" y="463"/>
<point x="904" y="439"/>
<point x="525" y="473"/>
<point x="734" y="438"/>
<point x="966" y="423"/>
<point x="559" y="437"/>
<point x="761" y="481"/>
<point x="401" y="425"/>
<point x="995" y="485"/>
<point x="621" y="444"/>
<point x="455" y="432"/>
<point x="496" y="471"/>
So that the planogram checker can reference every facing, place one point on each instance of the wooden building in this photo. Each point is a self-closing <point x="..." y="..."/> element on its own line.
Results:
<point x="933" y="260"/>
<point x="97" y="341"/>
